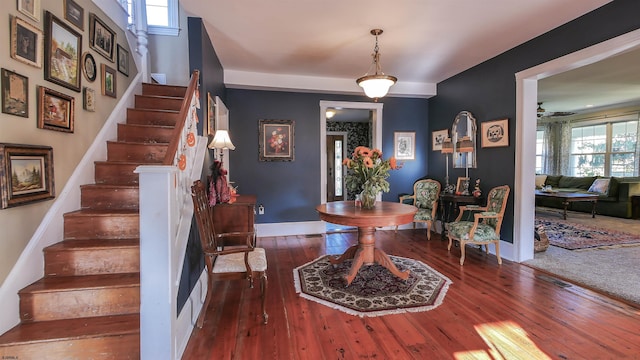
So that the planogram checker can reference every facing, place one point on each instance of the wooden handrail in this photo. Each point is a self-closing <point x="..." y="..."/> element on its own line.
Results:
<point x="184" y="111"/>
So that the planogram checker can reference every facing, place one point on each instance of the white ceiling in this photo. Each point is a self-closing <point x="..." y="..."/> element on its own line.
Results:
<point x="325" y="45"/>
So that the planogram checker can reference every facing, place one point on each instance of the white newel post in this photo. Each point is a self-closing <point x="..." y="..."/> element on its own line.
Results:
<point x="158" y="227"/>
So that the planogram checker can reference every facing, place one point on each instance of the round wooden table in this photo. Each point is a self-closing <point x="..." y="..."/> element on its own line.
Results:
<point x="365" y="252"/>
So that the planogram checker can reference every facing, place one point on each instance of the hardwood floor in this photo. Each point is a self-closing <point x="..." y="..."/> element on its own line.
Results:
<point x="490" y="312"/>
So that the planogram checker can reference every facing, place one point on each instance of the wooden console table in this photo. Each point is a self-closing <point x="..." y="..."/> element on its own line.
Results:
<point x="365" y="252"/>
<point x="449" y="204"/>
<point x="238" y="216"/>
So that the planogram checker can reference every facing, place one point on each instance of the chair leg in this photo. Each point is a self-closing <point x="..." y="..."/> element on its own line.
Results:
<point x="450" y="242"/>
<point x="203" y="311"/>
<point x="263" y="294"/>
<point x="498" y="252"/>
<point x="462" y="246"/>
<point x="396" y="228"/>
<point x="428" y="230"/>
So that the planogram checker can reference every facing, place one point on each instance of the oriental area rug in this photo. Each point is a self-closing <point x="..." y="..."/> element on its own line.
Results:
<point x="374" y="291"/>
<point x="573" y="236"/>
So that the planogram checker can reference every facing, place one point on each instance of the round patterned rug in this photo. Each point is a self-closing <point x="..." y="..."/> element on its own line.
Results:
<point x="374" y="291"/>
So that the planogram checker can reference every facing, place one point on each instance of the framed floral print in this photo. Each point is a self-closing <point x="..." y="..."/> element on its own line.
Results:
<point x="404" y="144"/>
<point x="26" y="42"/>
<point x="15" y="93"/>
<point x="62" y="50"/>
<point x="276" y="140"/>
<point x="26" y="174"/>
<point x="88" y="99"/>
<point x="108" y="80"/>
<point x="55" y="110"/>
<point x="101" y="38"/>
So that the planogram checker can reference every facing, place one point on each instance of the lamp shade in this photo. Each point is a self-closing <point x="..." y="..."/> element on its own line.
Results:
<point x="447" y="146"/>
<point x="376" y="86"/>
<point x="464" y="145"/>
<point x="221" y="140"/>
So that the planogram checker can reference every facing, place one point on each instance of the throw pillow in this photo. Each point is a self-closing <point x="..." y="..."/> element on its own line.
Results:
<point x="540" y="179"/>
<point x="600" y="186"/>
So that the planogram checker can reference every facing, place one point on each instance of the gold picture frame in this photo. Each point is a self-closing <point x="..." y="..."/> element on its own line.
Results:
<point x="495" y="133"/>
<point x="55" y="110"/>
<point x="460" y="185"/>
<point x="30" y="8"/>
<point x="18" y="186"/>
<point x="26" y="42"/>
<point x="276" y="140"/>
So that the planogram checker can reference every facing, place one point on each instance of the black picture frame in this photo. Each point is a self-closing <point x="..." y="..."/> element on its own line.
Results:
<point x="15" y="93"/>
<point x="63" y="47"/>
<point x="74" y="13"/>
<point x="89" y="67"/>
<point x="101" y="38"/>
<point x="26" y="174"/>
<point x="123" y="60"/>
<point x="276" y="140"/>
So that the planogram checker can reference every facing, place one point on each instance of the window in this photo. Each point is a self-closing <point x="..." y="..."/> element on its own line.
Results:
<point x="540" y="153"/>
<point x="162" y="16"/>
<point x="605" y="149"/>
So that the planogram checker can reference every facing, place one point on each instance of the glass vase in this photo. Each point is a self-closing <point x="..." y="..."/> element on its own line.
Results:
<point x="368" y="199"/>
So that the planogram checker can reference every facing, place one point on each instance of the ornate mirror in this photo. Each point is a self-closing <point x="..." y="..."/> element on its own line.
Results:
<point x="463" y="136"/>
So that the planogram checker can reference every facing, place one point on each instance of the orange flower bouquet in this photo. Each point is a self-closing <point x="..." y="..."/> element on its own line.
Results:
<point x="367" y="174"/>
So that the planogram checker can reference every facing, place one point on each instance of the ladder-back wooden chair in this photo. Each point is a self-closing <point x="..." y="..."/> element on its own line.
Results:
<point x="485" y="228"/>
<point x="226" y="263"/>
<point x="426" y="194"/>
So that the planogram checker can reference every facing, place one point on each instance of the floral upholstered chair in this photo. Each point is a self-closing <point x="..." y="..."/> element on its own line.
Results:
<point x="425" y="197"/>
<point x="485" y="228"/>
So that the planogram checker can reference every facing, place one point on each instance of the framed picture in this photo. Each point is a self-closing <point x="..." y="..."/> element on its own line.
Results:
<point x="276" y="140"/>
<point x="55" y="110"/>
<point x="463" y="183"/>
<point x="26" y="174"/>
<point x="74" y="13"/>
<point x="26" y="42"/>
<point x="88" y="99"/>
<point x="101" y="37"/>
<point x="15" y="94"/>
<point x="89" y="67"/>
<point x="437" y="138"/>
<point x="495" y="133"/>
<point x="221" y="114"/>
<point x="404" y="144"/>
<point x="123" y="60"/>
<point x="62" y="50"/>
<point x="30" y="8"/>
<point x="211" y="116"/>
<point x="108" y="80"/>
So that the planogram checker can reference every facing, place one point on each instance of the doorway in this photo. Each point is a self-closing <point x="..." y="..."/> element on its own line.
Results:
<point x="526" y="121"/>
<point x="336" y="152"/>
<point x="376" y="134"/>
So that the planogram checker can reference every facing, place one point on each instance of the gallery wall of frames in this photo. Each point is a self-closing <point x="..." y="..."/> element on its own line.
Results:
<point x="65" y="61"/>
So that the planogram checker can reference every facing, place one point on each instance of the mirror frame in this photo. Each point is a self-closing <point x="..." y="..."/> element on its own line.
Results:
<point x="464" y="160"/>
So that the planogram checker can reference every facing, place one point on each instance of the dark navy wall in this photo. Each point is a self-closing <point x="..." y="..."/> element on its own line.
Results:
<point x="290" y="191"/>
<point x="202" y="56"/>
<point x="489" y="89"/>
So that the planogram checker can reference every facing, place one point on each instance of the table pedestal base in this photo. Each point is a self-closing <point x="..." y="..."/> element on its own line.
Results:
<point x="365" y="253"/>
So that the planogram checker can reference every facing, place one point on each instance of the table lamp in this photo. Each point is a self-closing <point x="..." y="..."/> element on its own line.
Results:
<point x="465" y="145"/>
<point x="447" y="148"/>
<point x="221" y="141"/>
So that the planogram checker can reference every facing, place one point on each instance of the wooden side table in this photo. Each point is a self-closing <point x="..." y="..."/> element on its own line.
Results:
<point x="635" y="206"/>
<point x="238" y="216"/>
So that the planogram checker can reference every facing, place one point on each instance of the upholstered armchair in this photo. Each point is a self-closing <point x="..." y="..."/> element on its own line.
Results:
<point x="425" y="197"/>
<point x="485" y="227"/>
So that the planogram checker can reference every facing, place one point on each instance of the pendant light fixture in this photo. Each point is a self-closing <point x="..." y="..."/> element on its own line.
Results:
<point x="377" y="85"/>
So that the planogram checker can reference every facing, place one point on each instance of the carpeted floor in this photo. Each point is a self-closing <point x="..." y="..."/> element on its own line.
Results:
<point x="374" y="291"/>
<point x="612" y="270"/>
<point x="573" y="236"/>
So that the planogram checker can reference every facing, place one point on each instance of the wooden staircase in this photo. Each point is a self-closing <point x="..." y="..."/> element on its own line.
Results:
<point x="87" y="305"/>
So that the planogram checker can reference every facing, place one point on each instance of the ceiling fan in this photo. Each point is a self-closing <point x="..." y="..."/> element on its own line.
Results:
<point x="542" y="112"/>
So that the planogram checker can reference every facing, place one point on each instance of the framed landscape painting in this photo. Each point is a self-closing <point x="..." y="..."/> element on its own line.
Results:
<point x="63" y="47"/>
<point x="26" y="174"/>
<point x="55" y="110"/>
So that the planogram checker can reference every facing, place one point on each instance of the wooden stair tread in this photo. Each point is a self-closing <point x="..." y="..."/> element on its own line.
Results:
<point x="156" y="110"/>
<point x="71" y="283"/>
<point x="103" y="212"/>
<point x="56" y="330"/>
<point x="94" y="244"/>
<point x="136" y="143"/>
<point x="111" y="186"/>
<point x="149" y="126"/>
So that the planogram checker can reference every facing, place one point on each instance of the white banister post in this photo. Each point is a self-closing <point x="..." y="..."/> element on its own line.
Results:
<point x="158" y="226"/>
<point x="142" y="35"/>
